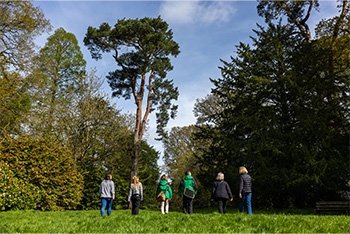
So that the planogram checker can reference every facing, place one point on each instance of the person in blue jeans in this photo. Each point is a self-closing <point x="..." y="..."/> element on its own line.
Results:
<point x="245" y="191"/>
<point x="107" y="195"/>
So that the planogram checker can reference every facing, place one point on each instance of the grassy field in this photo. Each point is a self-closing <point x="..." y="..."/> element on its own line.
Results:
<point x="149" y="221"/>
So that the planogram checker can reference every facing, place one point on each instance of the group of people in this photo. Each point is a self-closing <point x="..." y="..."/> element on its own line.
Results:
<point x="221" y="193"/>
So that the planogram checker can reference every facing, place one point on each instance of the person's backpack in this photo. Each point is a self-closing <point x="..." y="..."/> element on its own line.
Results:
<point x="161" y="195"/>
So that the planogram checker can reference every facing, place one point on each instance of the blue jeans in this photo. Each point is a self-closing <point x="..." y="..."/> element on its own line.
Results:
<point x="246" y="201"/>
<point x="106" y="203"/>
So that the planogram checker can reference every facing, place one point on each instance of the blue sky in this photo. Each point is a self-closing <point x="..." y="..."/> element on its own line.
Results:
<point x="206" y="32"/>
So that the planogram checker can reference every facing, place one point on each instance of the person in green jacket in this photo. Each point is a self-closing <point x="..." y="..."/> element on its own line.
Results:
<point x="164" y="187"/>
<point x="189" y="183"/>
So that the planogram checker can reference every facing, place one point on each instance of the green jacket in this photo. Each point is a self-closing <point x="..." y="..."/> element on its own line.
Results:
<point x="164" y="186"/>
<point x="188" y="182"/>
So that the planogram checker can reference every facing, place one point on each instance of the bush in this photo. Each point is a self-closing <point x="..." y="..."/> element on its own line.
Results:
<point x="16" y="193"/>
<point x="46" y="175"/>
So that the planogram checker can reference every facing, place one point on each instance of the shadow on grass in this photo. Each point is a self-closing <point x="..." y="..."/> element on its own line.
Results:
<point x="232" y="210"/>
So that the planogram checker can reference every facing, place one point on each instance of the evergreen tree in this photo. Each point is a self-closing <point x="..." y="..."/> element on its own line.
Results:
<point x="282" y="118"/>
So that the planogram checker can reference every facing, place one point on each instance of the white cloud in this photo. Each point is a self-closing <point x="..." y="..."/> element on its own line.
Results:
<point x="184" y="12"/>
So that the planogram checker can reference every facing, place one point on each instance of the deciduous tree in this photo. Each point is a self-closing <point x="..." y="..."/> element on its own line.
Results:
<point x="20" y="24"/>
<point x="59" y="71"/>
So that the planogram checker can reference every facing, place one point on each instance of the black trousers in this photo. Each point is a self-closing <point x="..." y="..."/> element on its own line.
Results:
<point x="136" y="201"/>
<point x="221" y="205"/>
<point x="187" y="205"/>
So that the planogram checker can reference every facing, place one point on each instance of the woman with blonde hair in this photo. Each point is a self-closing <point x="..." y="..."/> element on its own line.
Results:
<point x="221" y="192"/>
<point x="164" y="187"/>
<point x="245" y="190"/>
<point x="135" y="195"/>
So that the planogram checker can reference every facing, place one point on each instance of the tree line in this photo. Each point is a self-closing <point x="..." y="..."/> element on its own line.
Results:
<point x="281" y="108"/>
<point x="60" y="134"/>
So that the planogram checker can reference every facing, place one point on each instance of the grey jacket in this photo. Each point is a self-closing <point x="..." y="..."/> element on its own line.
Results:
<point x="135" y="190"/>
<point x="107" y="189"/>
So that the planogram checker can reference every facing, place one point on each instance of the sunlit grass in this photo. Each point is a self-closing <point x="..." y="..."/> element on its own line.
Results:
<point x="149" y="221"/>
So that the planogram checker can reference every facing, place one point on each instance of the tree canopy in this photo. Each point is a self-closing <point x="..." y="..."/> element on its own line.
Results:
<point x="285" y="103"/>
<point x="141" y="49"/>
<point x="20" y="24"/>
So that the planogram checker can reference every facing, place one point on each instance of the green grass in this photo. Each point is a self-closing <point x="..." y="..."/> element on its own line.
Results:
<point x="149" y="221"/>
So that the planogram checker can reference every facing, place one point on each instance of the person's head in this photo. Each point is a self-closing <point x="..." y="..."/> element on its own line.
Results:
<point x="108" y="177"/>
<point x="135" y="180"/>
<point x="243" y="170"/>
<point x="187" y="173"/>
<point x="220" y="176"/>
<point x="164" y="177"/>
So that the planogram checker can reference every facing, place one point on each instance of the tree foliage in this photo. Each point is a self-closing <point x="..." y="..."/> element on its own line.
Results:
<point x="52" y="96"/>
<point x="296" y="12"/>
<point x="42" y="169"/>
<point x="58" y="70"/>
<point x="15" y="103"/>
<point x="20" y="24"/>
<point x="285" y="116"/>
<point x="16" y="194"/>
<point x="140" y="48"/>
<point x="182" y="152"/>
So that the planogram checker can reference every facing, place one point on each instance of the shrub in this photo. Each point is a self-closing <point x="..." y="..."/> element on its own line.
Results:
<point x="16" y="193"/>
<point x="43" y="167"/>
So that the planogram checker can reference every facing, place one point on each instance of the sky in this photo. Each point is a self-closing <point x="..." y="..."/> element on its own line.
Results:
<point x="206" y="32"/>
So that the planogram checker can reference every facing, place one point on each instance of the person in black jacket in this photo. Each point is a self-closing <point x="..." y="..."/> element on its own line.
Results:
<point x="245" y="190"/>
<point x="221" y="192"/>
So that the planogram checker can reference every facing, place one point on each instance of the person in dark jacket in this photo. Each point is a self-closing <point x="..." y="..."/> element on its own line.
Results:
<point x="245" y="191"/>
<point x="107" y="195"/>
<point x="190" y="183"/>
<point x="221" y="192"/>
<point x="164" y="187"/>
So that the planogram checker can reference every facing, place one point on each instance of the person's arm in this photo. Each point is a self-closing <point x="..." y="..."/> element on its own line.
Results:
<point x="195" y="186"/>
<point x="100" y="190"/>
<point x="240" y="186"/>
<point x="141" y="192"/>
<point x="228" y="189"/>
<point x="181" y="188"/>
<point x="170" y="191"/>
<point x="157" y="190"/>
<point x="112" y="190"/>
<point x="213" y="191"/>
<point x="130" y="194"/>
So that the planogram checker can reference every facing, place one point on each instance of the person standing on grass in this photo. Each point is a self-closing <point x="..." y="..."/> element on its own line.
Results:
<point x="107" y="195"/>
<point x="187" y="184"/>
<point x="221" y="192"/>
<point x="245" y="191"/>
<point x="164" y="187"/>
<point x="135" y="195"/>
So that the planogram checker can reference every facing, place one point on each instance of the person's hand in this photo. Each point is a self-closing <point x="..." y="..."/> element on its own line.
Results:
<point x="231" y="199"/>
<point x="240" y="195"/>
